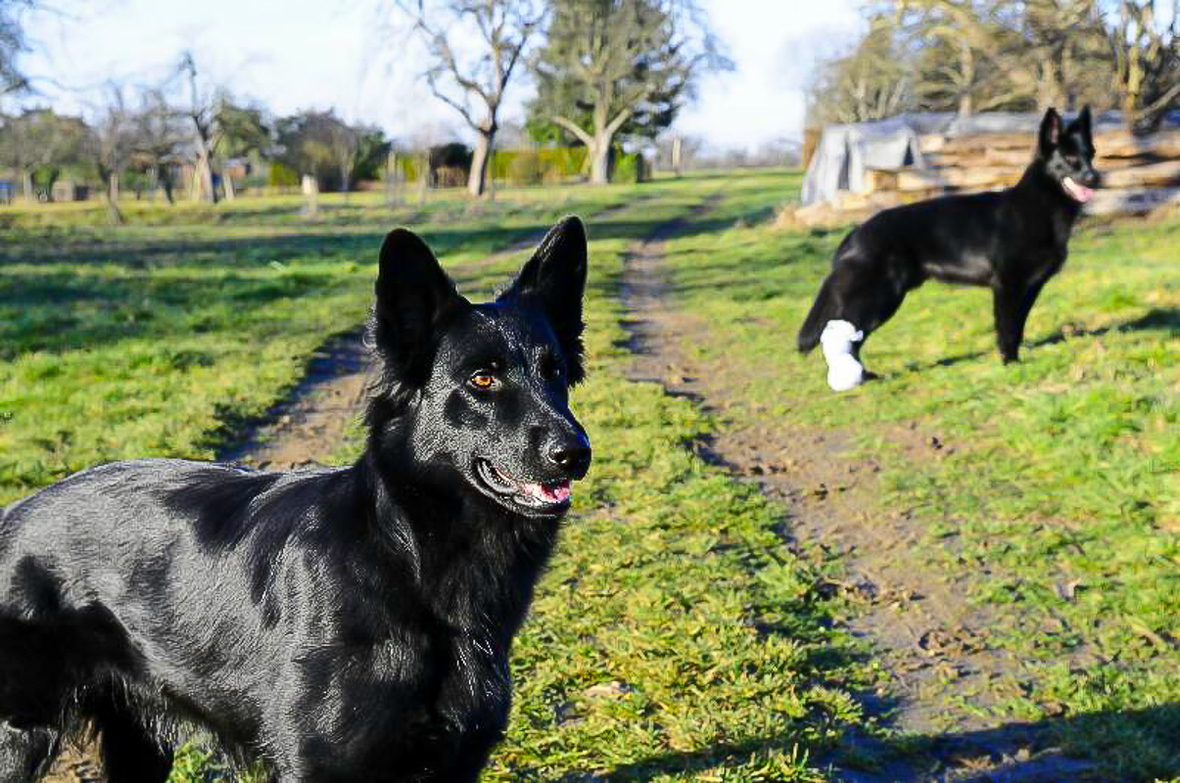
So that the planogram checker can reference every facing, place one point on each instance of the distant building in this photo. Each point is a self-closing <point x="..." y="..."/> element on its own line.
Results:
<point x="68" y="190"/>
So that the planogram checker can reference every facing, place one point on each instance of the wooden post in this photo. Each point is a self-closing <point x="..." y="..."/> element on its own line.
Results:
<point x="491" y="172"/>
<point x="423" y="177"/>
<point x="392" y="196"/>
<point x="311" y="192"/>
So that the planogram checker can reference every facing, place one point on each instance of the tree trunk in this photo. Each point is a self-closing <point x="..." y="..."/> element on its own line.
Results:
<point x="227" y="182"/>
<point x="116" y="217"/>
<point x="27" y="184"/>
<point x="165" y="181"/>
<point x="204" y="179"/>
<point x="600" y="160"/>
<point x="477" y="177"/>
<point x="965" y="109"/>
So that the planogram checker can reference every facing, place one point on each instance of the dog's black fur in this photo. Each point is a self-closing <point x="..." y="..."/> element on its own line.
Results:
<point x="1013" y="240"/>
<point x="345" y="625"/>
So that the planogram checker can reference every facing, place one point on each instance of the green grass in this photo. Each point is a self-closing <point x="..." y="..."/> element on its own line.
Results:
<point x="163" y="336"/>
<point x="677" y="635"/>
<point x="1061" y="470"/>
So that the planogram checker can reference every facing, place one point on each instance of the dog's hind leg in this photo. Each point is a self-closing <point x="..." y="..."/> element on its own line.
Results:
<point x="130" y="753"/>
<point x="25" y="754"/>
<point x="859" y="302"/>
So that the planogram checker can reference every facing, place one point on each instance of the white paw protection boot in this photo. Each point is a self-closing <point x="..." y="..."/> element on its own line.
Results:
<point x="844" y="371"/>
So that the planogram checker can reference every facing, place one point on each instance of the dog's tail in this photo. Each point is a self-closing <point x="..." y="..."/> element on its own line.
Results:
<point x="822" y="311"/>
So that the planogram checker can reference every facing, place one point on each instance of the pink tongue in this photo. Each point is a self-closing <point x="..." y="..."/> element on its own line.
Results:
<point x="1079" y="192"/>
<point x="555" y="493"/>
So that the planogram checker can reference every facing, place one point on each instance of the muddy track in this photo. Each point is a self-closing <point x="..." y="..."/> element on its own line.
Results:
<point x="933" y="643"/>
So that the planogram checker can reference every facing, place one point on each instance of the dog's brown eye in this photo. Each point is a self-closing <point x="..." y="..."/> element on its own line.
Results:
<point x="483" y="381"/>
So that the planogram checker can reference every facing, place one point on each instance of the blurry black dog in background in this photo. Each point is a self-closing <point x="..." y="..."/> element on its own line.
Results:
<point x="345" y="624"/>
<point x="1013" y="240"/>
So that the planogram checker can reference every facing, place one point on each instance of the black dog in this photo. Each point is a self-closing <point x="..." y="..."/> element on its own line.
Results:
<point x="1012" y="240"/>
<point x="346" y="625"/>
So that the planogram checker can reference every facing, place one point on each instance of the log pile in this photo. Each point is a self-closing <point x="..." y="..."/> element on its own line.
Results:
<point x="1139" y="174"/>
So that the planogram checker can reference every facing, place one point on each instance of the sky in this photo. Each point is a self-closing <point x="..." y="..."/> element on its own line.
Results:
<point x="301" y="54"/>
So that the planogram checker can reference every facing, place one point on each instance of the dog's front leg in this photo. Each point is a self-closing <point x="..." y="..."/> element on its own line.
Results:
<point x="1007" y="312"/>
<point x="25" y="754"/>
<point x="1013" y="303"/>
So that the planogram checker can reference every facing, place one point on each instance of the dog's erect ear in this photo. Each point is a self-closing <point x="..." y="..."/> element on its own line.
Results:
<point x="1050" y="132"/>
<point x="554" y="279"/>
<point x="413" y="296"/>
<point x="1082" y="123"/>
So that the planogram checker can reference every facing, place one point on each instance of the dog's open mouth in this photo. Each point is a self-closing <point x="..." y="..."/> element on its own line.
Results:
<point x="1079" y="193"/>
<point x="547" y="497"/>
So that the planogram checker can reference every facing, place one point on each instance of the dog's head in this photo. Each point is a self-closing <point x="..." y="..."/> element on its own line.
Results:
<point x="482" y="390"/>
<point x="1067" y="154"/>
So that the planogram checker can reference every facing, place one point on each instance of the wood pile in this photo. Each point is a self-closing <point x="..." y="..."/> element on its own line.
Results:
<point x="1139" y="174"/>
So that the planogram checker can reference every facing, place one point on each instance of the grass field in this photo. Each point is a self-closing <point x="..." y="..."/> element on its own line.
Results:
<point x="678" y="635"/>
<point x="163" y="336"/>
<point x="1057" y="480"/>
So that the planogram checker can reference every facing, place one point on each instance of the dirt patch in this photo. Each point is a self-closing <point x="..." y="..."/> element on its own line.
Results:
<point x="942" y="671"/>
<point x="307" y="427"/>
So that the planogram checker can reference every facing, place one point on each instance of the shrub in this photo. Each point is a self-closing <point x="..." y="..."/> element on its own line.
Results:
<point x="282" y="176"/>
<point x="527" y="168"/>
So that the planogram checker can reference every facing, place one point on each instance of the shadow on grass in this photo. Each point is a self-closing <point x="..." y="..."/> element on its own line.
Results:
<point x="61" y="311"/>
<point x="361" y="247"/>
<point x="1091" y="746"/>
<point x="1164" y="319"/>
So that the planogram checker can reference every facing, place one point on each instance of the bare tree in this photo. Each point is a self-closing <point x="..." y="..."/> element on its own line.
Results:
<point x="110" y="146"/>
<point x="202" y="114"/>
<point x="610" y="65"/>
<point x="474" y="86"/>
<point x="1146" y="55"/>
<point x="12" y="43"/>
<point x="979" y="55"/>
<point x="872" y="81"/>
<point x="1044" y="48"/>
<point x="948" y="73"/>
<point x="159" y="139"/>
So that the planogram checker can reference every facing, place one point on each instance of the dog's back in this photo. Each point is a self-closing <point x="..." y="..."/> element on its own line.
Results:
<point x="143" y="580"/>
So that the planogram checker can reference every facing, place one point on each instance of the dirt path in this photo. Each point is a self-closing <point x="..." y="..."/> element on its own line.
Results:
<point x="931" y="641"/>
<point x="308" y="426"/>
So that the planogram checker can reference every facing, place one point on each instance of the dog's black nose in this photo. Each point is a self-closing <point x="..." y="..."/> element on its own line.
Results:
<point x="572" y="456"/>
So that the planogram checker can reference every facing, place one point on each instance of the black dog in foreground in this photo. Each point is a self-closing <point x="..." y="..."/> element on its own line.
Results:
<point x="1013" y="240"/>
<point x="351" y="624"/>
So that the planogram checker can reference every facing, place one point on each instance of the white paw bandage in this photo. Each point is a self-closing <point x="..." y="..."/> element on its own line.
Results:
<point x="844" y="371"/>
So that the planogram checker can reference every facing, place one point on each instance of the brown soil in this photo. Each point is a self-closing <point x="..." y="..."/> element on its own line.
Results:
<point x="306" y="428"/>
<point x="933" y="643"/>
